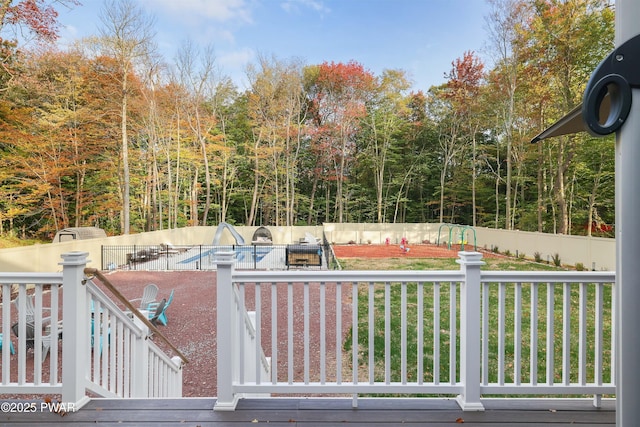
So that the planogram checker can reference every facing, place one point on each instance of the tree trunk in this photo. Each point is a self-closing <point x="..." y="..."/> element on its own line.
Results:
<point x="312" y="198"/>
<point x="540" y="182"/>
<point x="126" y="179"/>
<point x="256" y="184"/>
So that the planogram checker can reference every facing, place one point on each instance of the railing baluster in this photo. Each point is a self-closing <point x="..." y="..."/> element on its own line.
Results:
<point x="517" y="335"/>
<point x="598" y="326"/>
<point x="582" y="335"/>
<point x="96" y="337"/>
<point x="22" y="330"/>
<point x="290" y="333"/>
<point x="120" y="357"/>
<point x="323" y="338"/>
<point x="306" y="330"/>
<point x="371" y="327"/>
<point x="566" y="334"/>
<point x="258" y="330"/>
<point x="126" y="392"/>
<point x="242" y="351"/>
<point x="274" y="333"/>
<point x="533" y="335"/>
<point x="338" y="323"/>
<point x="436" y="333"/>
<point x="453" y="334"/>
<point x="420" y="333"/>
<point x="113" y="367"/>
<point x="387" y="332"/>
<point x="485" y="333"/>
<point x="37" y="349"/>
<point x="501" y="332"/>
<point x="6" y="346"/>
<point x="354" y="335"/>
<point x="550" y="344"/>
<point x="613" y="345"/>
<point x="55" y="316"/>
<point x="403" y="333"/>
<point x="106" y="351"/>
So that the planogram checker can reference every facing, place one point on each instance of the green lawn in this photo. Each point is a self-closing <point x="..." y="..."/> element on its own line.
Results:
<point x="505" y="297"/>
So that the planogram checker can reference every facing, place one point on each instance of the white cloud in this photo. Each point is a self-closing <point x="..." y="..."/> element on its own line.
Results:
<point x="234" y="64"/>
<point x="295" y="6"/>
<point x="236" y="59"/>
<point x="218" y="10"/>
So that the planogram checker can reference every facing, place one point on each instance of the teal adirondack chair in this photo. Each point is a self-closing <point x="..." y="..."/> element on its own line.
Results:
<point x="158" y="311"/>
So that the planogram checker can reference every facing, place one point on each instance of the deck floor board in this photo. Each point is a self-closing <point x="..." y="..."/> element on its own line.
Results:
<point x="310" y="412"/>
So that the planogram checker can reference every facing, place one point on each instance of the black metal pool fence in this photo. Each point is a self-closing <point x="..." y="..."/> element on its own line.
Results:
<point x="203" y="257"/>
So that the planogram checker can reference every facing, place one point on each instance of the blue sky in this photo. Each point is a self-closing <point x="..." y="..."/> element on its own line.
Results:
<point x="422" y="37"/>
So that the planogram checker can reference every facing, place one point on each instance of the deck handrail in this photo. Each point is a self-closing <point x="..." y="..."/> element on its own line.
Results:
<point x="105" y="281"/>
<point x="472" y="317"/>
<point x="104" y="351"/>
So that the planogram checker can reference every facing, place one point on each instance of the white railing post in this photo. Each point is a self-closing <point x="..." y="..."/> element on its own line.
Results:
<point x="226" y="332"/>
<point x="140" y="361"/>
<point x="469" y="399"/>
<point x="175" y="388"/>
<point x="76" y="323"/>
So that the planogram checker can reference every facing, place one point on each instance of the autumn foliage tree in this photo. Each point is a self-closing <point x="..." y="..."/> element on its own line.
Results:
<point x="338" y="94"/>
<point x="108" y="134"/>
<point x="457" y="114"/>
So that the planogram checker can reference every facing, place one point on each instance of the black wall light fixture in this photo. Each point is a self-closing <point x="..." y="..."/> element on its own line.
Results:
<point x="607" y="97"/>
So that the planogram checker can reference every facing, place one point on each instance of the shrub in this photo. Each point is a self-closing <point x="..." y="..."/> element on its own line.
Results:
<point x="507" y="252"/>
<point x="494" y="249"/>
<point x="579" y="266"/>
<point x="537" y="256"/>
<point x="556" y="260"/>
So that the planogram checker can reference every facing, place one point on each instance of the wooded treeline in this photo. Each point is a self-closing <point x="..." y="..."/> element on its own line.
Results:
<point x="110" y="134"/>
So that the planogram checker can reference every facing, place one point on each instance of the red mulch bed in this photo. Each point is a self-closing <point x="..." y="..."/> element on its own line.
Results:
<point x="395" y="251"/>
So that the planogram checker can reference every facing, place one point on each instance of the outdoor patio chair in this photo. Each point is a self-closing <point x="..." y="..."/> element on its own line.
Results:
<point x="161" y="315"/>
<point x="149" y="295"/>
<point x="30" y="314"/>
<point x="93" y="333"/>
<point x="159" y="310"/>
<point x="11" y="348"/>
<point x="30" y="308"/>
<point x="31" y="335"/>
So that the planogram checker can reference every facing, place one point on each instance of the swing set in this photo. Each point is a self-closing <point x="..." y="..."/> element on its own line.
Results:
<point x="462" y="230"/>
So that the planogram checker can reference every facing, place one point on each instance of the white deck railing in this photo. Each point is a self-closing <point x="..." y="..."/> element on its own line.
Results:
<point x="467" y="333"/>
<point x="103" y="350"/>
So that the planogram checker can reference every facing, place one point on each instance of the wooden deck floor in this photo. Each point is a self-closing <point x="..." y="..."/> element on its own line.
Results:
<point x="324" y="412"/>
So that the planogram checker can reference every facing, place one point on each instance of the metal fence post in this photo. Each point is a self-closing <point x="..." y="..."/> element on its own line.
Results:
<point x="470" y="361"/>
<point x="76" y="320"/>
<point x="226" y="332"/>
